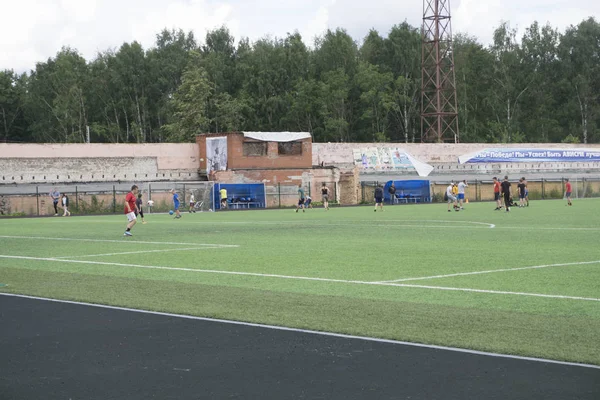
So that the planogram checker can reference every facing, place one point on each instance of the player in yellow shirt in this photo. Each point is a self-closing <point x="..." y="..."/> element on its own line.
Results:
<point x="223" y="193"/>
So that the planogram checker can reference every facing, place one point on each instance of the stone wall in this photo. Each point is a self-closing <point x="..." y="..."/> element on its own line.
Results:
<point x="50" y="163"/>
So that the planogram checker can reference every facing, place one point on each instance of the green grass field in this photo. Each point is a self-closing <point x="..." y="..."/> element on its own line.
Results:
<point x="414" y="273"/>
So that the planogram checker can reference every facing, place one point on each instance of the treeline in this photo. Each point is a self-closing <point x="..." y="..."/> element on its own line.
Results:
<point x="541" y="87"/>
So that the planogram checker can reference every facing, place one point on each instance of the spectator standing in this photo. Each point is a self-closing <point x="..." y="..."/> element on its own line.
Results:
<point x="55" y="195"/>
<point x="65" y="204"/>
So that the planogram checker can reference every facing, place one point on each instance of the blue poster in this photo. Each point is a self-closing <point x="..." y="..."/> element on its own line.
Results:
<point x="531" y="155"/>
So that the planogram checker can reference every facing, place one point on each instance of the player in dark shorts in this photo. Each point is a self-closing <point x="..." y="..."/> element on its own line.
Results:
<point x="378" y="198"/>
<point x="526" y="191"/>
<point x="568" y="191"/>
<point x="325" y="196"/>
<point x="497" y="194"/>
<point x="301" y="199"/>
<point x="138" y="205"/>
<point x="505" y="187"/>
<point x="522" y="187"/>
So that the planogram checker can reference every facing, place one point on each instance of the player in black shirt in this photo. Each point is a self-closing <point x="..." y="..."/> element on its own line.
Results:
<point x="138" y="205"/>
<point x="378" y="198"/>
<point x="505" y="188"/>
<point x="325" y="196"/>
<point x="522" y="187"/>
<point x="392" y="192"/>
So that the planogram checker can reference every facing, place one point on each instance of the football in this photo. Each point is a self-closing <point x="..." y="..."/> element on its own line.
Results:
<point x="150" y="203"/>
<point x="171" y="212"/>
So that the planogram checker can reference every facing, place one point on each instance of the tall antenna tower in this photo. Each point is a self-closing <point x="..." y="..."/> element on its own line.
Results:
<point x="439" y="109"/>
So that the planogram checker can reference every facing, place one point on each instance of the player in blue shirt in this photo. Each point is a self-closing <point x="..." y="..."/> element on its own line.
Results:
<point x="176" y="203"/>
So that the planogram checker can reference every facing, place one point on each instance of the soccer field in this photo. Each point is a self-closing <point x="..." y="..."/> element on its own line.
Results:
<point x="525" y="282"/>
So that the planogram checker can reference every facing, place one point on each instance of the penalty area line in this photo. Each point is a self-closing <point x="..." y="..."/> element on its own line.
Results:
<point x="124" y="240"/>
<point x="491" y="271"/>
<point x="305" y="278"/>
<point x="138" y="252"/>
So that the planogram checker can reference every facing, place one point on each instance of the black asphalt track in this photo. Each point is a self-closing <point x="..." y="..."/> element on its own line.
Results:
<point x="52" y="350"/>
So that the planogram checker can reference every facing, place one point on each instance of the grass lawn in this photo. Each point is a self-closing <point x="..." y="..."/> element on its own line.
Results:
<point x="414" y="272"/>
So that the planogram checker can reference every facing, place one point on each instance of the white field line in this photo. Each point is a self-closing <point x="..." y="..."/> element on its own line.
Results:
<point x="551" y="296"/>
<point x="125" y="240"/>
<point x="306" y="278"/>
<point x="411" y="223"/>
<point x="305" y="331"/>
<point x="490" y="271"/>
<point x="138" y="252"/>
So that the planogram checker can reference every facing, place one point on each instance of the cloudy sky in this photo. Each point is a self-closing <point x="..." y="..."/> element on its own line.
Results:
<point x="33" y="30"/>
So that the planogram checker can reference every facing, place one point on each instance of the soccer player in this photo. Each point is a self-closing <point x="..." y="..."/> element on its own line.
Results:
<point x="223" y="193"/>
<point x="192" y="202"/>
<point x="325" y="196"/>
<point x="378" y="198"/>
<point x="505" y="187"/>
<point x="461" y="192"/>
<point x="176" y="203"/>
<point x="138" y="207"/>
<point x="522" y="188"/>
<point x="497" y="194"/>
<point x="308" y="202"/>
<point x="392" y="192"/>
<point x="301" y="198"/>
<point x="526" y="191"/>
<point x="130" y="208"/>
<point x="451" y="197"/>
<point x="568" y="190"/>
<point x="55" y="195"/>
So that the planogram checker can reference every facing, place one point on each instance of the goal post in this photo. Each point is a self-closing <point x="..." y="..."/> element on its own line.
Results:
<point x="160" y="194"/>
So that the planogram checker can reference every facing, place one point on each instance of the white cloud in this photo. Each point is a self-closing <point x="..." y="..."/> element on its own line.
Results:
<point x="34" y="30"/>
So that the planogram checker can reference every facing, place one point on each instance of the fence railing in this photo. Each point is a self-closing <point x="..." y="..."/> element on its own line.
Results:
<point x="483" y="190"/>
<point x="100" y="198"/>
<point x="106" y="198"/>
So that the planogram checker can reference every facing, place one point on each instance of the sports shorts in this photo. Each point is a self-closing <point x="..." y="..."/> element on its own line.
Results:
<point x="496" y="196"/>
<point x="131" y="216"/>
<point x="461" y="196"/>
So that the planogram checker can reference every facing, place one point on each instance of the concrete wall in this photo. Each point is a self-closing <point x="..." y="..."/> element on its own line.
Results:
<point x="433" y="153"/>
<point x="40" y="163"/>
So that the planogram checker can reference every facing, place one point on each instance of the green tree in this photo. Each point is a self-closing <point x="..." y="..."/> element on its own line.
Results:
<point x="190" y="103"/>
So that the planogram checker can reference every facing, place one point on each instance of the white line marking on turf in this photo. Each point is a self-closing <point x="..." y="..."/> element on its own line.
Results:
<point x="310" y="332"/>
<point x="491" y="271"/>
<point x="125" y="240"/>
<point x="306" y="278"/>
<point x="138" y="252"/>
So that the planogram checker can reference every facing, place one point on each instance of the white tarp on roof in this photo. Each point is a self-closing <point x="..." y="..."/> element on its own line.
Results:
<point x="277" y="136"/>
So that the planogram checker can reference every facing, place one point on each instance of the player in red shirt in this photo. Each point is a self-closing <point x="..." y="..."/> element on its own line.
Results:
<point x="130" y="208"/>
<point x="568" y="189"/>
<point x="497" y="194"/>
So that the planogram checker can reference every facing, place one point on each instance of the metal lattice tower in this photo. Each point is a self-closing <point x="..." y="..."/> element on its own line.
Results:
<point x="439" y="109"/>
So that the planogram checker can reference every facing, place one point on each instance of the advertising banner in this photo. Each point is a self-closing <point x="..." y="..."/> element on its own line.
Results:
<point x="492" y="155"/>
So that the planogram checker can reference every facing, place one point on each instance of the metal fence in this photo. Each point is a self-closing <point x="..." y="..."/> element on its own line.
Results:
<point x="482" y="190"/>
<point x="286" y="195"/>
<point x="101" y="198"/>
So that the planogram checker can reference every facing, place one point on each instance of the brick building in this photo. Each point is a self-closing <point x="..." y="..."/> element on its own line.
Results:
<point x="274" y="158"/>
